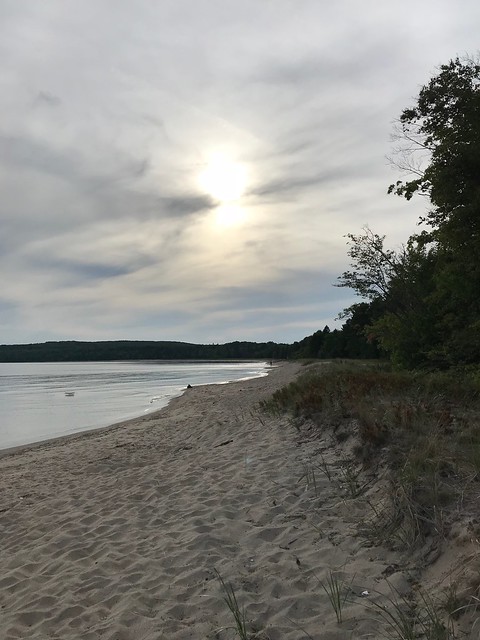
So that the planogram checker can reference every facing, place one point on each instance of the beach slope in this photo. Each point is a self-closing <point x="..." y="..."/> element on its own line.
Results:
<point x="121" y="534"/>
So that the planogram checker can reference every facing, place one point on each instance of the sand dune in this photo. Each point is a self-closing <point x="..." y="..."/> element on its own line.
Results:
<point x="118" y="534"/>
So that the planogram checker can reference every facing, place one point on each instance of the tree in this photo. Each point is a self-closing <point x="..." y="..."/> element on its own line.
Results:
<point x="360" y="341"/>
<point x="444" y="127"/>
<point x="373" y="265"/>
<point x="398" y="285"/>
<point x="428" y="290"/>
<point x="396" y="278"/>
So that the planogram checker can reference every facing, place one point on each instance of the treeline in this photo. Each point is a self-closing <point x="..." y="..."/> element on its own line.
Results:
<point x="424" y="298"/>
<point x="73" y="351"/>
<point x="348" y="342"/>
<point x="345" y="343"/>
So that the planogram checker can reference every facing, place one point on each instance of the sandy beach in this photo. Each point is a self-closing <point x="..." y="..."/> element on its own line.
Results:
<point x="118" y="534"/>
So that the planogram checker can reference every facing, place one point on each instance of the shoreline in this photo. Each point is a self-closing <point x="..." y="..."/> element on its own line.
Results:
<point x="78" y="435"/>
<point x="85" y="518"/>
<point x="119" y="533"/>
<point x="13" y="450"/>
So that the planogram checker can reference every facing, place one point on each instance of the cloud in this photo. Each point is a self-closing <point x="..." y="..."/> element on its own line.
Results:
<point x="44" y="98"/>
<point x="109" y="112"/>
<point x="72" y="272"/>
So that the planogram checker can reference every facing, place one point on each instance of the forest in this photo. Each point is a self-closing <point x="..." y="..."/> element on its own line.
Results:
<point x="421" y="303"/>
<point x="75" y="351"/>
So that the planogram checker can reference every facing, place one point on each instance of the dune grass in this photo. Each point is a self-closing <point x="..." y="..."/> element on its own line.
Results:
<point x="237" y="612"/>
<point x="337" y="590"/>
<point x="421" y="431"/>
<point x="423" y="427"/>
<point x="408" y="619"/>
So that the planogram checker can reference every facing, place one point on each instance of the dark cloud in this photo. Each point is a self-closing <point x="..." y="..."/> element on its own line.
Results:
<point x="77" y="194"/>
<point x="67" y="164"/>
<point x="186" y="205"/>
<point x="69" y="272"/>
<point x="24" y="153"/>
<point x="48" y="99"/>
<point x="282" y="186"/>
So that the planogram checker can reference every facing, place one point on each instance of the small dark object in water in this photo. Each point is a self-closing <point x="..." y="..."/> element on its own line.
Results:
<point x="189" y="386"/>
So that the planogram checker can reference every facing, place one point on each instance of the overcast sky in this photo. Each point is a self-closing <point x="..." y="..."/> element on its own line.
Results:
<point x="187" y="169"/>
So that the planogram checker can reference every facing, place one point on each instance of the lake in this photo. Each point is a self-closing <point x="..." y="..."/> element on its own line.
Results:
<point x="45" y="400"/>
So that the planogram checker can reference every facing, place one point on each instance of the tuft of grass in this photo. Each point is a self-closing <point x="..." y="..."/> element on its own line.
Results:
<point x="452" y="603"/>
<point x="399" y="520"/>
<point x="407" y="619"/>
<point x="431" y="621"/>
<point x="399" y="617"/>
<point x="457" y="602"/>
<point x="337" y="591"/>
<point x="325" y="468"/>
<point x="309" y="476"/>
<point x="230" y="599"/>
<point x="350" y="478"/>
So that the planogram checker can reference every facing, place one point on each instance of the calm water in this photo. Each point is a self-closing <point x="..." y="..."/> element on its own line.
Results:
<point x="34" y="404"/>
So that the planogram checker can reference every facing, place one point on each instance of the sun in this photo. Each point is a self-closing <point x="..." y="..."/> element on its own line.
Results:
<point x="224" y="179"/>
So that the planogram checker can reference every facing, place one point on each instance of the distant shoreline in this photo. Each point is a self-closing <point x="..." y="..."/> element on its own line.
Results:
<point x="141" y="350"/>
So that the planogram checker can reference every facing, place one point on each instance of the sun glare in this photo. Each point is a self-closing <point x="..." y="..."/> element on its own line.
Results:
<point x="224" y="179"/>
<point x="229" y="215"/>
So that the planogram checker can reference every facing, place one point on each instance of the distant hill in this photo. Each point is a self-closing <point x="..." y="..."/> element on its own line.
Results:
<point x="74" y="351"/>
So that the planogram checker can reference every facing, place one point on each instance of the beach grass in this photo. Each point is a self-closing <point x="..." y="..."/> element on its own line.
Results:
<point x="419" y="432"/>
<point x="422" y="427"/>
<point x="337" y="590"/>
<point x="408" y="618"/>
<point x="237" y="612"/>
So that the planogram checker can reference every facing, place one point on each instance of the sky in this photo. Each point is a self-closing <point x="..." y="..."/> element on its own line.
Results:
<point x="188" y="169"/>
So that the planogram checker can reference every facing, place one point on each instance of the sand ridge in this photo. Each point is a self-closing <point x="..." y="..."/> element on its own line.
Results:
<point x="118" y="534"/>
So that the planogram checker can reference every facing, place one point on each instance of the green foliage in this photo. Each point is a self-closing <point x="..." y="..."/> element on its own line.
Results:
<point x="348" y="343"/>
<point x="398" y="285"/>
<point x="445" y="122"/>
<point x="429" y="288"/>
<point x="351" y="341"/>
<point x="374" y="266"/>
<point x="311" y="346"/>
